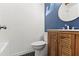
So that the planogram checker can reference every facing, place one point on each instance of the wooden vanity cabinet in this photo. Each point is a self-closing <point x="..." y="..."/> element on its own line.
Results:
<point x="77" y="45"/>
<point x="63" y="43"/>
<point x="52" y="44"/>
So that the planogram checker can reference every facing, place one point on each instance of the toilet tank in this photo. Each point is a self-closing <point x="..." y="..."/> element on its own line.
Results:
<point x="46" y="37"/>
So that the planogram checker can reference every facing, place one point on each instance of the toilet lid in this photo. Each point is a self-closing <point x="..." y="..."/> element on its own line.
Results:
<point x="39" y="43"/>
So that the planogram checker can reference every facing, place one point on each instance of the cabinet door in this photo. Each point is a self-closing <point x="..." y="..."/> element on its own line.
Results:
<point x="77" y="45"/>
<point x="65" y="44"/>
<point x="52" y="43"/>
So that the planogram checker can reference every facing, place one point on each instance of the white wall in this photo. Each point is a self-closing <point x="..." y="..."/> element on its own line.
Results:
<point x="25" y="24"/>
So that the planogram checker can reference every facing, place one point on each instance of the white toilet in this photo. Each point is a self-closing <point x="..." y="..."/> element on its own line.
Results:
<point x="40" y="47"/>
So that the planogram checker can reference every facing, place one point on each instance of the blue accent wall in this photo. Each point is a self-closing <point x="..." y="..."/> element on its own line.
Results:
<point x="52" y="20"/>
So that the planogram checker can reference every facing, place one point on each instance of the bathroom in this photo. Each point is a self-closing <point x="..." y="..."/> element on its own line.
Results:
<point x="24" y="27"/>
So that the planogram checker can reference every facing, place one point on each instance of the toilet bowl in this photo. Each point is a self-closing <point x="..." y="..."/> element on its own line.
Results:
<point x="40" y="47"/>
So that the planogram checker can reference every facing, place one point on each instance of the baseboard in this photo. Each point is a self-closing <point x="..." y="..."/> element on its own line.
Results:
<point x="22" y="53"/>
<point x="29" y="54"/>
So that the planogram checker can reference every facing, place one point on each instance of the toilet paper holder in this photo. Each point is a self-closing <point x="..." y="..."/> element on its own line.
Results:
<point x="4" y="27"/>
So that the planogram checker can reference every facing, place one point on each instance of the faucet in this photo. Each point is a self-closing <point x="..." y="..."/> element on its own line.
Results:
<point x="73" y="28"/>
<point x="67" y="27"/>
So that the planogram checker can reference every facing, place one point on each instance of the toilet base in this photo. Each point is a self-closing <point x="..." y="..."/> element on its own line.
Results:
<point x="42" y="52"/>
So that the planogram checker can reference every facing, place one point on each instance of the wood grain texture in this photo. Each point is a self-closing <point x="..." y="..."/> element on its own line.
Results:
<point x="66" y="44"/>
<point x="77" y="45"/>
<point x="62" y="43"/>
<point x="52" y="43"/>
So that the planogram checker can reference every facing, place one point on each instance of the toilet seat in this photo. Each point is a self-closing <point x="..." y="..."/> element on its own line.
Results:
<point x="40" y="48"/>
<point x="39" y="43"/>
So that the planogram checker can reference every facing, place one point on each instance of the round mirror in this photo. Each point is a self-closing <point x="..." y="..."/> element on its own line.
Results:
<point x="68" y="11"/>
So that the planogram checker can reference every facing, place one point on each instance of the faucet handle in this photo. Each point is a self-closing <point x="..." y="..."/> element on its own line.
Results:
<point x="68" y="27"/>
<point x="73" y="28"/>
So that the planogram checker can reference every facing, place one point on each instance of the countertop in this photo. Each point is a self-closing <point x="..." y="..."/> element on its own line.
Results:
<point x="63" y="30"/>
